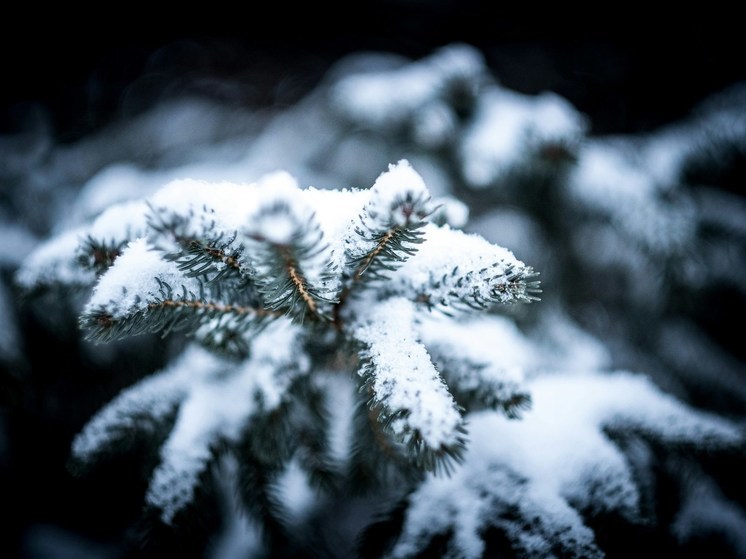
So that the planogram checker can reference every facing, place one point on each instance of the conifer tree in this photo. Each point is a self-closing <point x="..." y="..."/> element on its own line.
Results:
<point x="291" y="297"/>
<point x="360" y="369"/>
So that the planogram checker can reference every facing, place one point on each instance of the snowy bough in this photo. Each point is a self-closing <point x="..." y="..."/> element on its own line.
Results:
<point x="351" y="341"/>
<point x="275" y="282"/>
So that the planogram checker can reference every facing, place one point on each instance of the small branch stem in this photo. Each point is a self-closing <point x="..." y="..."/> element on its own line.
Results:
<point x="214" y="307"/>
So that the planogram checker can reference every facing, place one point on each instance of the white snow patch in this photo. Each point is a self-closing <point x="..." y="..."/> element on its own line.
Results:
<point x="560" y="445"/>
<point x="53" y="261"/>
<point x="281" y="212"/>
<point x="394" y="194"/>
<point x="553" y="460"/>
<point x="390" y="98"/>
<point x="295" y="491"/>
<point x="609" y="181"/>
<point x="508" y="125"/>
<point x="154" y="397"/>
<point x="430" y="271"/>
<point x="219" y="408"/>
<point x="129" y="285"/>
<point x="404" y="376"/>
<point x="121" y="222"/>
<point x="494" y="341"/>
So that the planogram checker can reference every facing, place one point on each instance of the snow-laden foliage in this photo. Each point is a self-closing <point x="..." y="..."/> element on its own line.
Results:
<point x="403" y="379"/>
<point x="236" y="265"/>
<point x="509" y="130"/>
<point x="279" y="285"/>
<point x="529" y="473"/>
<point x="426" y="93"/>
<point x="348" y="334"/>
<point x="647" y="225"/>
<point x="451" y="101"/>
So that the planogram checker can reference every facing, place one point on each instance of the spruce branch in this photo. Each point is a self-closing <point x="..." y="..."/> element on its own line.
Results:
<point x="214" y="256"/>
<point x="507" y="488"/>
<point x="311" y="424"/>
<point x="386" y="232"/>
<point x="212" y="260"/>
<point x="266" y="448"/>
<point x="103" y="241"/>
<point x="168" y="300"/>
<point x="389" y="226"/>
<point x="289" y="260"/>
<point x="275" y="282"/>
<point x="55" y="264"/>
<point x="409" y="397"/>
<point x="476" y="277"/>
<point x="482" y="358"/>
<point x="481" y="289"/>
<point x="343" y="340"/>
<point x="75" y="259"/>
<point x="395" y="100"/>
<point x="492" y="506"/>
<point x="230" y="399"/>
<point x="375" y="461"/>
<point x="475" y="386"/>
<point x="215" y="263"/>
<point x="227" y="334"/>
<point x="146" y="406"/>
<point x="290" y="290"/>
<point x="98" y="255"/>
<point x="392" y="246"/>
<point x="257" y="490"/>
<point x="172" y="310"/>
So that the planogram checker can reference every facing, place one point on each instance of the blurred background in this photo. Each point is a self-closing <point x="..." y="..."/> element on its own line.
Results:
<point x="79" y="93"/>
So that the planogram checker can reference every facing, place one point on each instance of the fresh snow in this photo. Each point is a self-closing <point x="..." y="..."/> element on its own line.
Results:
<point x="213" y="400"/>
<point x="218" y="409"/>
<point x="555" y="460"/>
<point x="404" y="378"/>
<point x="388" y="99"/>
<point x="129" y="285"/>
<point x="154" y="398"/>
<point x="480" y="265"/>
<point x="53" y="262"/>
<point x="508" y="126"/>
<point x="632" y="218"/>
<point x="608" y="180"/>
<point x="400" y="184"/>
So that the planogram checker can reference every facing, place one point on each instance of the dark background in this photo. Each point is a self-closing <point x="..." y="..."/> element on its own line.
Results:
<point x="629" y="69"/>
